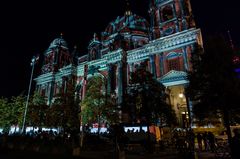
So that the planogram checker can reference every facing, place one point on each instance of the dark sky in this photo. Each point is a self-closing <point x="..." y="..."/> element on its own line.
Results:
<point x="28" y="27"/>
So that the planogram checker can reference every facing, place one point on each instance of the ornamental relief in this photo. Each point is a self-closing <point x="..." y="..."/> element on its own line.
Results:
<point x="172" y="55"/>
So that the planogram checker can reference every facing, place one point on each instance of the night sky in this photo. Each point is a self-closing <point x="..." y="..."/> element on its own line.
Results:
<point x="28" y="27"/>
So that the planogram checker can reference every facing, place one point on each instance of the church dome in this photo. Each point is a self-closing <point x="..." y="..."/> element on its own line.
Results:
<point x="132" y="22"/>
<point x="58" y="42"/>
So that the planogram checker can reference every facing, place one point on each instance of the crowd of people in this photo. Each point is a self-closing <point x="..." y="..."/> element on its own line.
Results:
<point x="182" y="140"/>
<point x="42" y="142"/>
<point x="52" y="142"/>
<point x="236" y="144"/>
<point x="206" y="141"/>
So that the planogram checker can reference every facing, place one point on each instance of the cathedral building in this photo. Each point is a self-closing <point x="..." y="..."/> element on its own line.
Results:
<point x="165" y="44"/>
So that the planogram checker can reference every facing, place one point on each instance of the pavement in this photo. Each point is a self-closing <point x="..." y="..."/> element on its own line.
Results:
<point x="166" y="154"/>
<point x="106" y="155"/>
<point x="137" y="153"/>
<point x="205" y="155"/>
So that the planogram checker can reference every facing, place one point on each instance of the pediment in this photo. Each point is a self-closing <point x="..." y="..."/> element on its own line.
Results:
<point x="174" y="77"/>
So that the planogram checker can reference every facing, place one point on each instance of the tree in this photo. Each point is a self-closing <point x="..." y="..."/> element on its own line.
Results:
<point x="37" y="110"/>
<point x="214" y="85"/>
<point x="5" y="114"/>
<point x="109" y="110"/>
<point x="17" y="106"/>
<point x="97" y="106"/>
<point x="11" y="112"/>
<point x="148" y="100"/>
<point x="64" y="111"/>
<point x="93" y="101"/>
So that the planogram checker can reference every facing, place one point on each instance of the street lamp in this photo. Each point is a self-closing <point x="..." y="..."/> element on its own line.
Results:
<point x="33" y="61"/>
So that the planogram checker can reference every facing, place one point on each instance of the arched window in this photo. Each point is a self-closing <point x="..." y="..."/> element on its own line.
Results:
<point x="173" y="61"/>
<point x="173" y="64"/>
<point x="92" y="53"/>
<point x="110" y="29"/>
<point x="167" y="13"/>
<point x="156" y="18"/>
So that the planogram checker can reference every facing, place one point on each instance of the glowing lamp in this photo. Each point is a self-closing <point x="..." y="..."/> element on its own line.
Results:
<point x="180" y="95"/>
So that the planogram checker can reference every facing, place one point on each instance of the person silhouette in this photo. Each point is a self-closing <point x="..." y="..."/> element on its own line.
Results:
<point x="199" y="139"/>
<point x="236" y="144"/>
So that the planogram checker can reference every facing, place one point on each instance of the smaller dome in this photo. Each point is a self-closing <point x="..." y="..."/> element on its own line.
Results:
<point x="58" y="42"/>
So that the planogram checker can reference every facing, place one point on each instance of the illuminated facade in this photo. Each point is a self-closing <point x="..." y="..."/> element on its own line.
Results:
<point x="165" y="44"/>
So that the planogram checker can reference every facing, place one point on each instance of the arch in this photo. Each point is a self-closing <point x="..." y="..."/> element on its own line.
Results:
<point x="89" y="76"/>
<point x="172" y="55"/>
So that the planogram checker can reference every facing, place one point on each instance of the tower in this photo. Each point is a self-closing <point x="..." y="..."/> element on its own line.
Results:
<point x="94" y="48"/>
<point x="170" y="16"/>
<point x="128" y="11"/>
<point x="56" y="56"/>
<point x="57" y="66"/>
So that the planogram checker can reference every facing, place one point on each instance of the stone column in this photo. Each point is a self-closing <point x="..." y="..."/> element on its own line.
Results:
<point x="119" y="83"/>
<point x="174" y="11"/>
<point x="192" y="48"/>
<point x="158" y="18"/>
<point x="184" y="23"/>
<point x="175" y="16"/>
<point x="161" y="64"/>
<point x="84" y="81"/>
<point x="185" y="58"/>
<point x="130" y="67"/>
<point x="120" y="90"/>
<point x="51" y="90"/>
<point x="153" y="66"/>
<point x="109" y="69"/>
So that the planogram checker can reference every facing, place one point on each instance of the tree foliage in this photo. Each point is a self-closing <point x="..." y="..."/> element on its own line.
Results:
<point x="97" y="106"/>
<point x="94" y="100"/>
<point x="37" y="110"/>
<point x="18" y="107"/>
<point x="214" y="85"/>
<point x="11" y="112"/>
<point x="64" y="111"/>
<point x="147" y="99"/>
<point x="4" y="111"/>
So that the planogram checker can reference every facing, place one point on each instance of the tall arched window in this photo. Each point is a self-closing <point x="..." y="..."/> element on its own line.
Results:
<point x="173" y="64"/>
<point x="167" y="13"/>
<point x="173" y="61"/>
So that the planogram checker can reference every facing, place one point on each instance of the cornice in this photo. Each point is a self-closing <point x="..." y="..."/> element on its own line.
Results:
<point x="44" y="78"/>
<point x="113" y="56"/>
<point x="49" y="77"/>
<point x="163" y="44"/>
